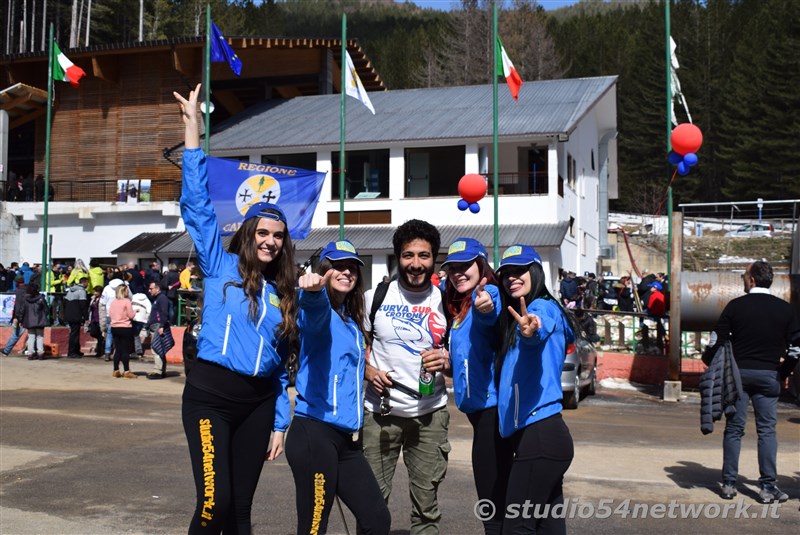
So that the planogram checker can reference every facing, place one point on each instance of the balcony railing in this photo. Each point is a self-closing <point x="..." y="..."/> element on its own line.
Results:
<point x="103" y="191"/>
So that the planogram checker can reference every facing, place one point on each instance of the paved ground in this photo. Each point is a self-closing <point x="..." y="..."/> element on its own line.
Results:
<point x="82" y="453"/>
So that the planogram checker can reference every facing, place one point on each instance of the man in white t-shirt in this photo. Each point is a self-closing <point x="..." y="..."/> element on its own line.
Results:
<point x="409" y="332"/>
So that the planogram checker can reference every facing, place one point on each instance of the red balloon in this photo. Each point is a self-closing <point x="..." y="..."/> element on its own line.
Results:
<point x="686" y="138"/>
<point x="472" y="187"/>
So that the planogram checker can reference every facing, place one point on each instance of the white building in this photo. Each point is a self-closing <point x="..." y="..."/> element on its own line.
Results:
<point x="556" y="166"/>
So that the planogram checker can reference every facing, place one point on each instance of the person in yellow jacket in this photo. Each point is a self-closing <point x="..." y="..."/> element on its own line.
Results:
<point x="186" y="276"/>
<point x="97" y="277"/>
<point x="79" y="271"/>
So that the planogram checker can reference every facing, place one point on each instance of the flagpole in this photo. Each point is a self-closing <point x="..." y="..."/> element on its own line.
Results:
<point x="207" y="79"/>
<point x="342" y="126"/>
<point x="45" y="260"/>
<point x="669" y="130"/>
<point x="496" y="251"/>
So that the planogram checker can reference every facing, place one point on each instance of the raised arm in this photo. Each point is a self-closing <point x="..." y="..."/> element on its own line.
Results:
<point x="188" y="109"/>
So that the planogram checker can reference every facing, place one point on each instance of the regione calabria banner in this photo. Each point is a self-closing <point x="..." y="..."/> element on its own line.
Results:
<point x="234" y="186"/>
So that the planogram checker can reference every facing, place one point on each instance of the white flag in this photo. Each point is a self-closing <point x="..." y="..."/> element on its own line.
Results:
<point x="675" y="84"/>
<point x="354" y="87"/>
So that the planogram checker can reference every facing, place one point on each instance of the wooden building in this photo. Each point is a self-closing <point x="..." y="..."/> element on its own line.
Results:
<point x="122" y="119"/>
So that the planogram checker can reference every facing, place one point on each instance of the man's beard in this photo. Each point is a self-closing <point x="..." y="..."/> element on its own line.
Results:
<point x="424" y="279"/>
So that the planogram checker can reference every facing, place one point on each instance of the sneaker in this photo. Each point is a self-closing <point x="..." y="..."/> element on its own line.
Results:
<point x="156" y="375"/>
<point x="33" y="356"/>
<point x="3" y="352"/>
<point x="129" y="375"/>
<point x="116" y="374"/>
<point x="728" y="491"/>
<point x="107" y="357"/>
<point x="772" y="494"/>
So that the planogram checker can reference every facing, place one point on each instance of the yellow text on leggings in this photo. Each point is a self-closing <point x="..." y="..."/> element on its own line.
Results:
<point x="207" y="443"/>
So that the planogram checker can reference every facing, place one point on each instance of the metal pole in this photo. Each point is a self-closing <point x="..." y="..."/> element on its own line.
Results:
<point x="48" y="128"/>
<point x="207" y="80"/>
<point x="342" y="126"/>
<point x="669" y="131"/>
<point x="496" y="250"/>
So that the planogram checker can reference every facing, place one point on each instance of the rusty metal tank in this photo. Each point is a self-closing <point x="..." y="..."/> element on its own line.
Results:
<point x="705" y="294"/>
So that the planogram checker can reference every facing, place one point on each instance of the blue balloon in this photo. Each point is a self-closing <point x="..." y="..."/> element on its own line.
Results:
<point x="683" y="169"/>
<point x="462" y="205"/>
<point x="474" y="208"/>
<point x="674" y="158"/>
<point x="690" y="159"/>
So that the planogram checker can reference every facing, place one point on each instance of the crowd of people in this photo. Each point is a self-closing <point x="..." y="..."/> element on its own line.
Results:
<point x="26" y="188"/>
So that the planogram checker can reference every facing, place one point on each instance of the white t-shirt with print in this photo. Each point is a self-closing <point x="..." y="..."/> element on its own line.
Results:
<point x="406" y="324"/>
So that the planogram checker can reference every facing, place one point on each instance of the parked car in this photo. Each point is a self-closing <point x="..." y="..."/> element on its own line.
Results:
<point x="751" y="230"/>
<point x="579" y="372"/>
<point x="190" y="345"/>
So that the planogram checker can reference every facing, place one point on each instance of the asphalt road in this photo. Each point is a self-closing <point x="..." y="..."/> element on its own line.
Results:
<point x="83" y="453"/>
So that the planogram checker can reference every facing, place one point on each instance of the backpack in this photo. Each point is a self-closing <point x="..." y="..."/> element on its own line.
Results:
<point x="380" y="295"/>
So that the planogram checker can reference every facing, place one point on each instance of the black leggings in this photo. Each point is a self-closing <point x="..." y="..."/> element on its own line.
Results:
<point x="326" y="462"/>
<point x="491" y="464"/>
<point x="123" y="346"/>
<point x="543" y="453"/>
<point x="228" y="442"/>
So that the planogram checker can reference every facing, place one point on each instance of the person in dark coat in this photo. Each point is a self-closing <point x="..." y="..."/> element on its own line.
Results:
<point x="169" y="285"/>
<point x="17" y="330"/>
<point x="763" y="330"/>
<point x="34" y="318"/>
<point x="76" y="312"/>
<point x="38" y="188"/>
<point x="27" y="188"/>
<point x="159" y="321"/>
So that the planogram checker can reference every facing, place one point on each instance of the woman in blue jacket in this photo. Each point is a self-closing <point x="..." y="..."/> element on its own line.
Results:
<point x="534" y="331"/>
<point x="473" y="301"/>
<point x="321" y="449"/>
<point x="229" y="402"/>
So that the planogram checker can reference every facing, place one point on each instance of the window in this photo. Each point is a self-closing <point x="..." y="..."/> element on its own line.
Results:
<point x="572" y="226"/>
<point x="303" y="160"/>
<point x="571" y="171"/>
<point x="434" y="171"/>
<point x="366" y="174"/>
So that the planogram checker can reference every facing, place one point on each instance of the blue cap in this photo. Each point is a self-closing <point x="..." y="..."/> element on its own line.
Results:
<point x="266" y="210"/>
<point x="520" y="255"/>
<point x="340" y="250"/>
<point x="464" y="250"/>
<point x="657" y="286"/>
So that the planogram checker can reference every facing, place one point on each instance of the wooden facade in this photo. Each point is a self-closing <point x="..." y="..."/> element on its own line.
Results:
<point x="118" y="122"/>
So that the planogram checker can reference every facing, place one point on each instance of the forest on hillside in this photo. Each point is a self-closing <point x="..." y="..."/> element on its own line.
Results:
<point x="739" y="66"/>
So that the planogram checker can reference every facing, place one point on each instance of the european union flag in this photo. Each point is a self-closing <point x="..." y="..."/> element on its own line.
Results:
<point x="234" y="186"/>
<point x="222" y="51"/>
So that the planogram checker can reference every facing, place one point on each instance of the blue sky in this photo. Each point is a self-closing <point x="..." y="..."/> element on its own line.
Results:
<point x="446" y="5"/>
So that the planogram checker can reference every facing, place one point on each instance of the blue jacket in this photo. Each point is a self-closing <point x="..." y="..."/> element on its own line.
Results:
<point x="530" y="381"/>
<point x="472" y="356"/>
<point x="330" y="371"/>
<point x="229" y="336"/>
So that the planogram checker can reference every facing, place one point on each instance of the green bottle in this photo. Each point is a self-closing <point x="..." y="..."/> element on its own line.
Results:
<point x="427" y="381"/>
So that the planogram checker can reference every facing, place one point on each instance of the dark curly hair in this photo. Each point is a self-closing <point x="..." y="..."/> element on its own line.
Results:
<point x="416" y="229"/>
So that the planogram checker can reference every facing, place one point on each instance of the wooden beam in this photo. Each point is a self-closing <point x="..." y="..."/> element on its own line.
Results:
<point x="229" y="101"/>
<point x="106" y="68"/>
<point x="187" y="61"/>
<point x="15" y="102"/>
<point x="26" y="118"/>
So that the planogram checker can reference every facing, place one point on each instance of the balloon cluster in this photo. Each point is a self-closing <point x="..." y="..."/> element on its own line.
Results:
<point x="686" y="140"/>
<point x="471" y="189"/>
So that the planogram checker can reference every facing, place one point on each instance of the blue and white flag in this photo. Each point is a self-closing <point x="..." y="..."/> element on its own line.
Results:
<point x="222" y="51"/>
<point x="234" y="186"/>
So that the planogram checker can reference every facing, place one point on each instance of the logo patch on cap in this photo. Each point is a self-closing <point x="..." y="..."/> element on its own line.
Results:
<point x="514" y="250"/>
<point x="345" y="246"/>
<point x="457" y="247"/>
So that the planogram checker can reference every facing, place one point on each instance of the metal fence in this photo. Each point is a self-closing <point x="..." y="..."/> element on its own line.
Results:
<point x="103" y="191"/>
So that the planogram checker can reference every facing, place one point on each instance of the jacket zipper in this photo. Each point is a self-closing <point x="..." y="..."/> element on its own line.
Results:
<point x="359" y="401"/>
<point x="258" y="328"/>
<point x="466" y="371"/>
<point x="335" y="385"/>
<point x="516" y="405"/>
<point x="227" y="333"/>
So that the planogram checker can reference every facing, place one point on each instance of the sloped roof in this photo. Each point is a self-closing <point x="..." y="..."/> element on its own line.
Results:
<point x="544" y="108"/>
<point x="147" y="242"/>
<point x="372" y="237"/>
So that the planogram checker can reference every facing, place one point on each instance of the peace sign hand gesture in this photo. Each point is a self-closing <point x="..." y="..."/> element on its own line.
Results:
<point x="314" y="282"/>
<point x="529" y="323"/>
<point x="188" y="110"/>
<point x="483" y="299"/>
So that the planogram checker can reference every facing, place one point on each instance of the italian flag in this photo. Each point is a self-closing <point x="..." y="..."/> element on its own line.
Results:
<point x="63" y="69"/>
<point x="508" y="71"/>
